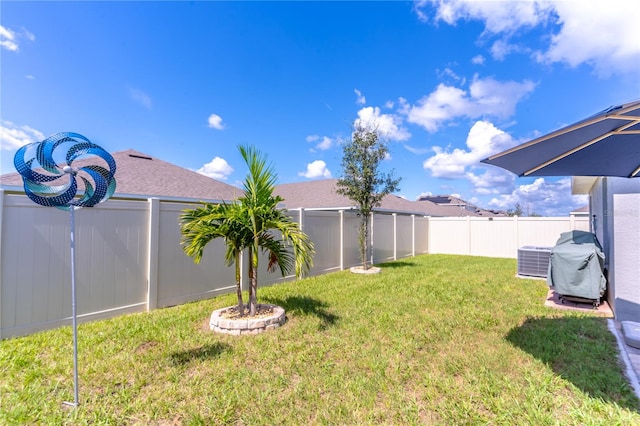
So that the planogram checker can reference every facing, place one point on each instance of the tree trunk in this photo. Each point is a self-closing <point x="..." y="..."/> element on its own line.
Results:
<point x="253" y="281"/>
<point x="250" y="274"/>
<point x="238" y="286"/>
<point x="363" y="237"/>
<point x="253" y="300"/>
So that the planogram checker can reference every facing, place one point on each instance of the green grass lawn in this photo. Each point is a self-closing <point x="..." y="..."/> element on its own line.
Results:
<point x="434" y="339"/>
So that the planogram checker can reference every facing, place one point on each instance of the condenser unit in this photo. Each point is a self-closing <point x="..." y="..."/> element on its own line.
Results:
<point x="533" y="261"/>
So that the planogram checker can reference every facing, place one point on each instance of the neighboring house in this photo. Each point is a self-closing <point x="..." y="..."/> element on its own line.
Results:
<point x="322" y="194"/>
<point x="580" y="212"/>
<point x="614" y="204"/>
<point x="141" y="174"/>
<point x="460" y="207"/>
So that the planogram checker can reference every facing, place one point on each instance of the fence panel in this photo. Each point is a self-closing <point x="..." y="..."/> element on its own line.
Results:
<point x="351" y="249"/>
<point x="404" y="236"/>
<point x="180" y="280"/>
<point x="544" y="231"/>
<point x="497" y="237"/>
<point x="323" y="228"/>
<point x="383" y="237"/>
<point x="110" y="242"/>
<point x="421" y="232"/>
<point x="449" y="235"/>
<point x="493" y="238"/>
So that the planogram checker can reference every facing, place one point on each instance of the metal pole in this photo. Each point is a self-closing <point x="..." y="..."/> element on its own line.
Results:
<point x="73" y="310"/>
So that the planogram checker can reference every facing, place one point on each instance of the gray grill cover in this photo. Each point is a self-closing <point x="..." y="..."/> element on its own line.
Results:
<point x="576" y="266"/>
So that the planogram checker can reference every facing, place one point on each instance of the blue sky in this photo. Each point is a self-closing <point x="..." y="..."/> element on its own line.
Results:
<point x="447" y="82"/>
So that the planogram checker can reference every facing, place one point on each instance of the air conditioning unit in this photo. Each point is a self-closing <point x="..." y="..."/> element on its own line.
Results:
<point x="533" y="261"/>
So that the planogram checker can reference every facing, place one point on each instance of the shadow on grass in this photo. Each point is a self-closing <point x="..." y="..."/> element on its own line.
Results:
<point x="582" y="351"/>
<point x="204" y="352"/>
<point x="306" y="306"/>
<point x="397" y="264"/>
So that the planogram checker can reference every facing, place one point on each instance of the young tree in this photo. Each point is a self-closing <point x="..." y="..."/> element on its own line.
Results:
<point x="264" y="217"/>
<point x="362" y="181"/>
<point x="254" y="223"/>
<point x="201" y="225"/>
<point x="516" y="211"/>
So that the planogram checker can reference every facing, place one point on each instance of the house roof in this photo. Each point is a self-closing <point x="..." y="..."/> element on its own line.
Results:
<point x="322" y="194"/>
<point x="455" y="203"/>
<point x="141" y="174"/>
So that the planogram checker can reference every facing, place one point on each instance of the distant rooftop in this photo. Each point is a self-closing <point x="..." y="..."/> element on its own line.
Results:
<point x="454" y="203"/>
<point x="141" y="174"/>
<point x="322" y="194"/>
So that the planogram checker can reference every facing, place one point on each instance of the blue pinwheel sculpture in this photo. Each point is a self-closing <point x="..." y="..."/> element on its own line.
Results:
<point x="50" y="179"/>
<point x="40" y="187"/>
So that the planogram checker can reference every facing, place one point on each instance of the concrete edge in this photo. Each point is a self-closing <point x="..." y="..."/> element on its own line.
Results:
<point x="624" y="356"/>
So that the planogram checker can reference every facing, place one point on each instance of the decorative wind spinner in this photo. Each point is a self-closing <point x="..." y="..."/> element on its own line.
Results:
<point x="50" y="179"/>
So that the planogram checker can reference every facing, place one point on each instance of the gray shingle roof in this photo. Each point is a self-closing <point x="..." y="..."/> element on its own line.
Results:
<point x="141" y="174"/>
<point x="322" y="194"/>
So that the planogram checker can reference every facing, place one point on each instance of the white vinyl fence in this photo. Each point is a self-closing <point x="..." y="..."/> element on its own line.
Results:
<point x="497" y="236"/>
<point x="129" y="258"/>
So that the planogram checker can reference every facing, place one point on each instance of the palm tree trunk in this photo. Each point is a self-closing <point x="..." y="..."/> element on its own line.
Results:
<point x="253" y="283"/>
<point x="253" y="301"/>
<point x="238" y="286"/>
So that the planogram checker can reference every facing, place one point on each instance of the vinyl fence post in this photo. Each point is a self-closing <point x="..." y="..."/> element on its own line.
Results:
<point x="395" y="236"/>
<point x="1" y="211"/>
<point x="469" y="235"/>
<point x="153" y="252"/>
<point x="517" y="227"/>
<point x="371" y="215"/>
<point x="341" y="218"/>
<point x="413" y="235"/>
<point x="301" y="218"/>
<point x="301" y="225"/>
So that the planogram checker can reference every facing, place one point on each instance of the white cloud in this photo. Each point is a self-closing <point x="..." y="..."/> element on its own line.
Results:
<point x="323" y="143"/>
<point x="493" y="181"/>
<point x="13" y="137"/>
<point x="602" y="34"/>
<point x="498" y="16"/>
<point x="360" y="100"/>
<point x="316" y="169"/>
<point x="546" y="198"/>
<point x="215" y="122"/>
<point x="483" y="140"/>
<point x="218" y="168"/>
<point x="140" y="97"/>
<point x="478" y="60"/>
<point x="486" y="96"/>
<point x="417" y="151"/>
<point x="8" y="39"/>
<point x="500" y="49"/>
<point x="389" y="125"/>
<point x="448" y="72"/>
<point x="30" y="77"/>
<point x="28" y="35"/>
<point x="388" y="104"/>
<point x="611" y="43"/>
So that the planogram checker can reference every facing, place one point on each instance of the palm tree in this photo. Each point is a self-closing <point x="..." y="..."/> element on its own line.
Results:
<point x="253" y="224"/>
<point x="265" y="217"/>
<point x="201" y="225"/>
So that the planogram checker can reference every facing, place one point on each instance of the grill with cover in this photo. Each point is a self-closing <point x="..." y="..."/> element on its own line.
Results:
<point x="576" y="268"/>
